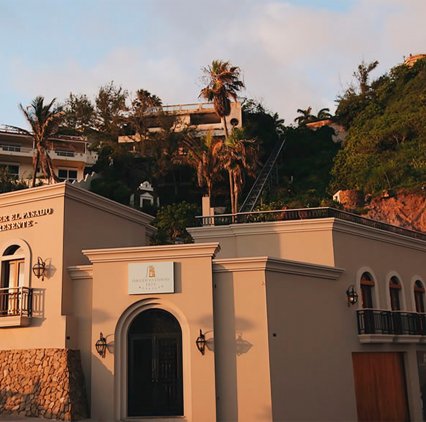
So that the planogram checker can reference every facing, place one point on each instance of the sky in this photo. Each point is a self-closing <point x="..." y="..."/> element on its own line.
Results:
<point x="292" y="53"/>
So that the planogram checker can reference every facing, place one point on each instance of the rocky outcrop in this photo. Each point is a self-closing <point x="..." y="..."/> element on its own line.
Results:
<point x="403" y="209"/>
<point x="46" y="383"/>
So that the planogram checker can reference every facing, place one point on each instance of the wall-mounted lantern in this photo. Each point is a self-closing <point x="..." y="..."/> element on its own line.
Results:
<point x="101" y="345"/>
<point x="201" y="343"/>
<point x="39" y="268"/>
<point x="351" y="295"/>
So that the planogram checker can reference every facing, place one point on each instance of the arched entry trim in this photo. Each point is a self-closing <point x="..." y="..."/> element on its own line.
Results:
<point x="121" y="364"/>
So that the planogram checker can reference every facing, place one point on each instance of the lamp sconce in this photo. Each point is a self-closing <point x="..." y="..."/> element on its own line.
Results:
<point x="39" y="268"/>
<point x="351" y="295"/>
<point x="201" y="343"/>
<point x="101" y="346"/>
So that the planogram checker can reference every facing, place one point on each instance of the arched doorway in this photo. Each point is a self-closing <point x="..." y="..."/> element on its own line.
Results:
<point x="154" y="370"/>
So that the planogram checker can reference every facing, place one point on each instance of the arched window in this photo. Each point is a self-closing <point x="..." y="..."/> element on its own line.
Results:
<point x="12" y="278"/>
<point x="367" y="286"/>
<point x="395" y="294"/>
<point x="419" y="296"/>
<point x="15" y="294"/>
<point x="154" y="373"/>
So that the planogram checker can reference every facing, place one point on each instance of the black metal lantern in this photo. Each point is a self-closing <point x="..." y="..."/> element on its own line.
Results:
<point x="351" y="295"/>
<point x="39" y="268"/>
<point x="101" y="345"/>
<point x="201" y="343"/>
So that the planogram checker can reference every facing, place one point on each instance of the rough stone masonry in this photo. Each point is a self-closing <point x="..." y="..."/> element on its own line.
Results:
<point x="46" y="383"/>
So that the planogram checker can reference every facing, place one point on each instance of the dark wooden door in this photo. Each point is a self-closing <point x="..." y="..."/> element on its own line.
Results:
<point x="380" y="388"/>
<point x="154" y="368"/>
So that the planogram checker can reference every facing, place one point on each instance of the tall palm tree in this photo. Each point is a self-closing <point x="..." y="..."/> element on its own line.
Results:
<point x="223" y="84"/>
<point x="203" y="157"/>
<point x="44" y="120"/>
<point x="238" y="156"/>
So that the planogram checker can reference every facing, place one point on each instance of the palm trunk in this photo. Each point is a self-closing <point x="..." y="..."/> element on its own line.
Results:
<point x="231" y="192"/>
<point x="36" y="163"/>
<point x="225" y="127"/>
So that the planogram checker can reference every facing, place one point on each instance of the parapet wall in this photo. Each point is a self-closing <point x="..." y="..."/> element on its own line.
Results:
<point x="46" y="383"/>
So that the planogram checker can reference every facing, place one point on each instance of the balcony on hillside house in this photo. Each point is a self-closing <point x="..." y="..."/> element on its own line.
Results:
<point x="16" y="145"/>
<point x="201" y="117"/>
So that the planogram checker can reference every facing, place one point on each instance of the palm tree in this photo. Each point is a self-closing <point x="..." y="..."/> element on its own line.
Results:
<point x="324" y="114"/>
<point x="305" y="116"/>
<point x="44" y="121"/>
<point x="223" y="84"/>
<point x="203" y="157"/>
<point x="238" y="156"/>
<point x="362" y="75"/>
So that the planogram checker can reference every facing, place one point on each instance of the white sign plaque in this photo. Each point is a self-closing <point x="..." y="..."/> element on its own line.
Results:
<point x="151" y="277"/>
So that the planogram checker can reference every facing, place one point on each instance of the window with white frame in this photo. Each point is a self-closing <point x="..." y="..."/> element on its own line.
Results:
<point x="12" y="279"/>
<point x="67" y="174"/>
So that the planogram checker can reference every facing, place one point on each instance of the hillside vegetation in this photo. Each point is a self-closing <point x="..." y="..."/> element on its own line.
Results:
<point x="386" y="144"/>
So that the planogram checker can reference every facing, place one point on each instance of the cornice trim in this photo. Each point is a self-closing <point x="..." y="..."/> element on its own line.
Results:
<point x="354" y="229"/>
<point x="80" y="272"/>
<point x="69" y="191"/>
<point x="267" y="227"/>
<point x="148" y="253"/>
<point x="276" y="265"/>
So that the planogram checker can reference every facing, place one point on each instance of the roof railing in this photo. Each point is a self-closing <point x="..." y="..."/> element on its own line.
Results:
<point x="303" y="214"/>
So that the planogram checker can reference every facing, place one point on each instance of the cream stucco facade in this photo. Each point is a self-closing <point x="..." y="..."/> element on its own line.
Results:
<point x="282" y="343"/>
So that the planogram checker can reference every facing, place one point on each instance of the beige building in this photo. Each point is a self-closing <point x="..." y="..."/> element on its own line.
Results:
<point x="318" y="316"/>
<point x="201" y="117"/>
<point x="70" y="155"/>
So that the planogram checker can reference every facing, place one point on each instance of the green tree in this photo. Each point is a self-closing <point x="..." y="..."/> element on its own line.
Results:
<point x="44" y="120"/>
<point x="79" y="115"/>
<point x="111" y="110"/>
<point x="9" y="183"/>
<point x="172" y="221"/>
<point x="223" y="84"/>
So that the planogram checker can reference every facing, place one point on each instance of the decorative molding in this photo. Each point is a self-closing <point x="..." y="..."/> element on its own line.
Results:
<point x="331" y="224"/>
<point x="372" y="233"/>
<point x="276" y="265"/>
<point x="148" y="253"/>
<point x="80" y="272"/>
<point x="267" y="227"/>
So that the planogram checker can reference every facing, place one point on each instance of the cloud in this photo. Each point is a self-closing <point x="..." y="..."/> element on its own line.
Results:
<point x="292" y="56"/>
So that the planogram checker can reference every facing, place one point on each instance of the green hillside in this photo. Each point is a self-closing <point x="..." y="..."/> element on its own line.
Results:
<point x="386" y="144"/>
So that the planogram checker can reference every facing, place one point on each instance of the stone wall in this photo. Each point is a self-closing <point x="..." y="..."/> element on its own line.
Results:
<point x="46" y="383"/>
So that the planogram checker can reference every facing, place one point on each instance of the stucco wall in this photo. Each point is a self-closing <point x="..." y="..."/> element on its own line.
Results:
<point x="241" y="342"/>
<point x="307" y="241"/>
<point x="113" y="308"/>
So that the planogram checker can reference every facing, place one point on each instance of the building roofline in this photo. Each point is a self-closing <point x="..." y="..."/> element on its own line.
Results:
<point x="69" y="191"/>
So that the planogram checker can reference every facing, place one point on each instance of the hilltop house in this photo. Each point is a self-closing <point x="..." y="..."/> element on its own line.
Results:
<point x="70" y="155"/>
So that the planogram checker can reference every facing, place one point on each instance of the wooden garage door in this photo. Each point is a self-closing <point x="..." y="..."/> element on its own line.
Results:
<point x="380" y="388"/>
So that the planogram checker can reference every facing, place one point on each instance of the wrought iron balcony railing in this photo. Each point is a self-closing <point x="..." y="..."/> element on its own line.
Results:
<point x="16" y="301"/>
<point x="302" y="214"/>
<point x="376" y="321"/>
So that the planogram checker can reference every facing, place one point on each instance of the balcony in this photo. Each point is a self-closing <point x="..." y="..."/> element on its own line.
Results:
<point x="15" y="306"/>
<point x="379" y="326"/>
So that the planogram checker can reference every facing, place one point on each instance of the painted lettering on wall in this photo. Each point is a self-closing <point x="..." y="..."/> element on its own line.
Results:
<point x="22" y="220"/>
